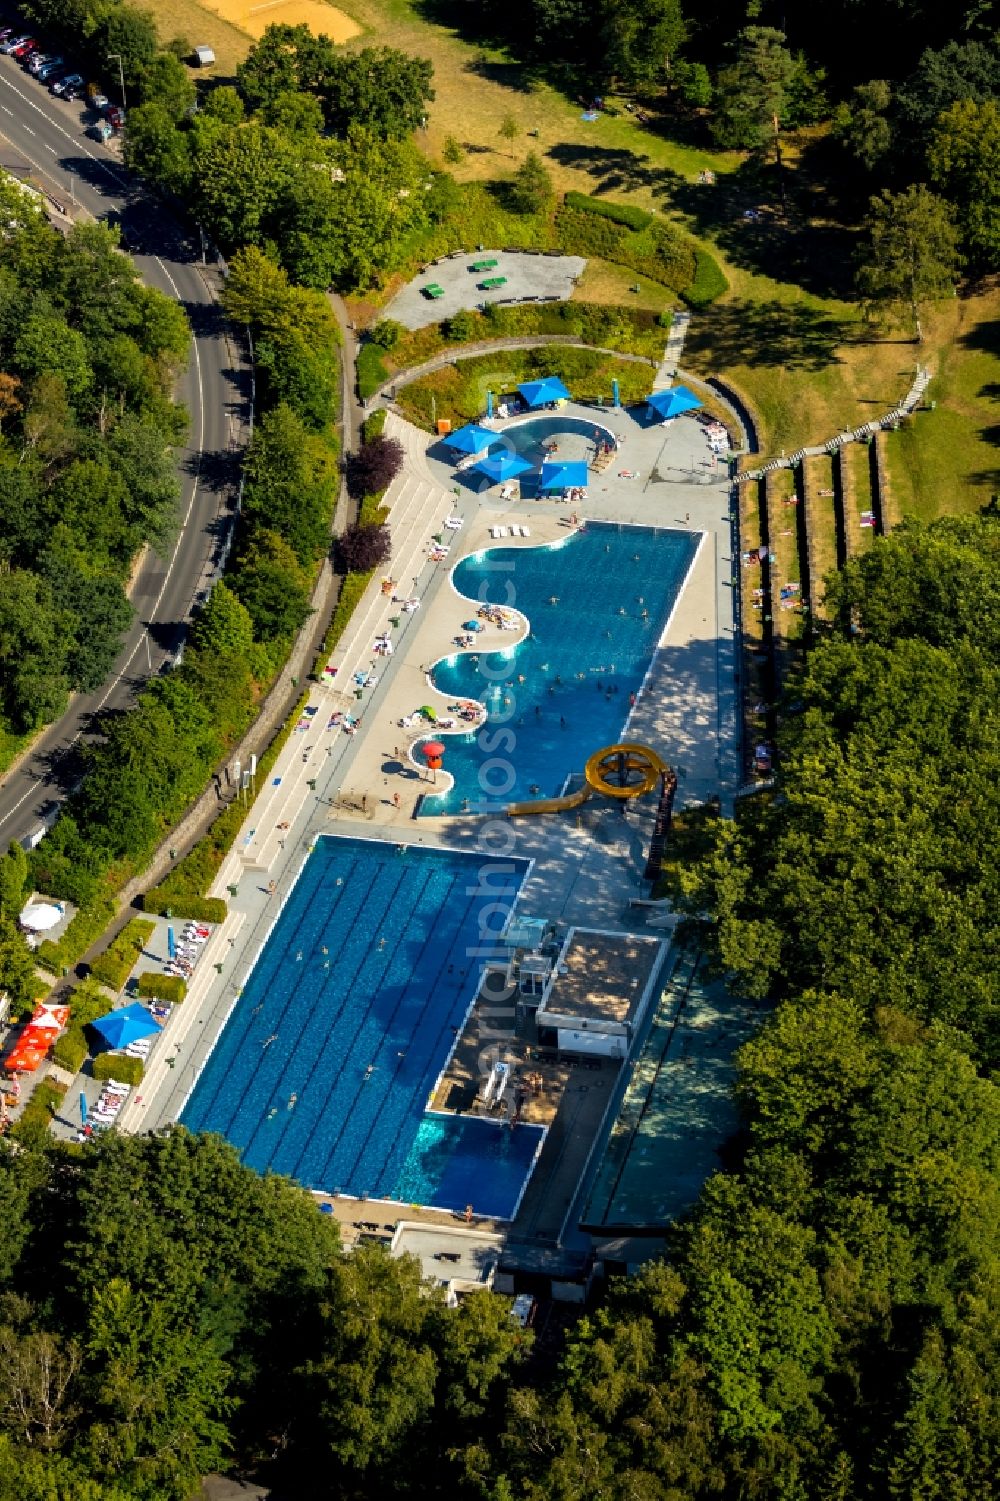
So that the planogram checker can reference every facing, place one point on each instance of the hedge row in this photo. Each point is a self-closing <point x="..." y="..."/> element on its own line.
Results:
<point x="659" y="251"/>
<point x="373" y="425"/>
<point x="87" y="1003"/>
<point x="155" y="987"/>
<point x="371" y="369"/>
<point x="84" y="929"/>
<point x="117" y="1066"/>
<point x="620" y="213"/>
<point x="708" y="283"/>
<point x="176" y="904"/>
<point x="114" y="966"/>
<point x="35" y="1118"/>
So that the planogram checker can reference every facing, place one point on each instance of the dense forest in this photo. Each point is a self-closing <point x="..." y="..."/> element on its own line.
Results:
<point x="88" y="356"/>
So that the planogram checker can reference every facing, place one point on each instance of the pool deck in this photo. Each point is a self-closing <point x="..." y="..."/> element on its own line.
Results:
<point x="586" y="866"/>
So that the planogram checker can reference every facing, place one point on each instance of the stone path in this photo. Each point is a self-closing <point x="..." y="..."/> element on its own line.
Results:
<point x="855" y="435"/>
<point x="675" y="348"/>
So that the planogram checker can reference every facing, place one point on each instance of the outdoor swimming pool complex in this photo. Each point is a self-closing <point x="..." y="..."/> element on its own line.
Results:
<point x="328" y="1059"/>
<point x="597" y="602"/>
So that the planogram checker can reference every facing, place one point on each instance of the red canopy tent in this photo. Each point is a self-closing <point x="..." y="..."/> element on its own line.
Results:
<point x="36" y="1038"/>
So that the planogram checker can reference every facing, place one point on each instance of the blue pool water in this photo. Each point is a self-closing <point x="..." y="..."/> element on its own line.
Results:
<point x="326" y="1064"/>
<point x="589" y="649"/>
<point x="457" y="1160"/>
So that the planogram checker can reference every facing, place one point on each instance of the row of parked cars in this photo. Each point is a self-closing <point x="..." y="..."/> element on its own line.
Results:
<point x="59" y="74"/>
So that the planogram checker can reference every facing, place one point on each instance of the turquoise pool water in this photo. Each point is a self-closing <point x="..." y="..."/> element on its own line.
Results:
<point x="597" y="602"/>
<point x="324" y="1069"/>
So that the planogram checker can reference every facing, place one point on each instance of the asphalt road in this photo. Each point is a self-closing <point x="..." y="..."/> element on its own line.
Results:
<point x="43" y="136"/>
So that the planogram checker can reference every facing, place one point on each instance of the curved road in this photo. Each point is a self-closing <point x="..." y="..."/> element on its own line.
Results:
<point x="42" y="135"/>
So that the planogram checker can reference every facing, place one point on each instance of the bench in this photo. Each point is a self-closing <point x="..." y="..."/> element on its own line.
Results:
<point x="433" y="291"/>
<point x="492" y="282"/>
<point x="484" y="265"/>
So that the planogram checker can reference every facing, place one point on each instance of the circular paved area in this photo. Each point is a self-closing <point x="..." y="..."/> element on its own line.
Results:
<point x="530" y="278"/>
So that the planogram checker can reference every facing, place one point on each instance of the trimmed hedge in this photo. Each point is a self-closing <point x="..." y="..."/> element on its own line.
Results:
<point x="708" y="283"/>
<point x="36" y="1117"/>
<point x="621" y="213"/>
<point x="114" y="966"/>
<point x="87" y="1003"/>
<point x="152" y="986"/>
<point x="371" y="369"/>
<point x="373" y="426"/>
<point x="659" y="251"/>
<point x="84" y="929"/>
<point x="117" y="1066"/>
<point x="199" y="908"/>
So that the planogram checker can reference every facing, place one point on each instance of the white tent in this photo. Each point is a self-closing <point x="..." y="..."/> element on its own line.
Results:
<point x="39" y="916"/>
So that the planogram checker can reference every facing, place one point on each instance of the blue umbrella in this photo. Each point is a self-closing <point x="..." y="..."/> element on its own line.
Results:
<point x="119" y="1028"/>
<point x="673" y="401"/>
<point x="471" y="438"/>
<point x="564" y="476"/>
<point x="501" y="466"/>
<point x="538" y="392"/>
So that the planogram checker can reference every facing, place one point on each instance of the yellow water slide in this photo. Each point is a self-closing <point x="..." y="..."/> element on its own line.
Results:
<point x="620" y="771"/>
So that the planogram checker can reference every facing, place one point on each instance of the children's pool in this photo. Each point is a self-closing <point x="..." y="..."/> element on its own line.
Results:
<point x="597" y="602"/>
<point x="327" y="1062"/>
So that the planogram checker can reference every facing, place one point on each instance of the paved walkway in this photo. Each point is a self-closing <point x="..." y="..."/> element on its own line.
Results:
<point x="675" y="348"/>
<point x="531" y="276"/>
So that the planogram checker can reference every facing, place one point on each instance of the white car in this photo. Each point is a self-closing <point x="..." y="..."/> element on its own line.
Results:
<point x="99" y="102"/>
<point x="67" y="87"/>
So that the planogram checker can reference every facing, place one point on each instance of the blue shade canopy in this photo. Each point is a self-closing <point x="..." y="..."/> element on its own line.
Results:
<point x="119" y="1028"/>
<point x="564" y="476"/>
<point x="673" y="401"/>
<point x="501" y="466"/>
<point x="537" y="392"/>
<point x="471" y="438"/>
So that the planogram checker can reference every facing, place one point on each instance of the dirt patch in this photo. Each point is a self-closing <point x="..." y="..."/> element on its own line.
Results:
<point x="255" y="16"/>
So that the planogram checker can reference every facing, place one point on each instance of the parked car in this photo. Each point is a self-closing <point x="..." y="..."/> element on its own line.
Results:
<point x="99" y="101"/>
<point x="101" y="131"/>
<point x="50" y="70"/>
<point x="115" y="116"/>
<point x="63" y="86"/>
<point x="38" y="60"/>
<point x="26" y="46"/>
<point x="12" y="43"/>
<point x="6" y="32"/>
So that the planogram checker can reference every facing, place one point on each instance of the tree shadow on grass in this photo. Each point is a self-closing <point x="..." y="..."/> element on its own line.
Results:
<point x="615" y="169"/>
<point x="985" y="337"/>
<point x="774" y="333"/>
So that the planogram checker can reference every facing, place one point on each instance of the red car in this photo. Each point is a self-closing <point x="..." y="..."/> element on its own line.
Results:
<point x="115" y="116"/>
<point x="25" y="49"/>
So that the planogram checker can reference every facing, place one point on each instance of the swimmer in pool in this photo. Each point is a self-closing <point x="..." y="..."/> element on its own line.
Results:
<point x="272" y="1112"/>
<point x="381" y="943"/>
<point x="369" y="1070"/>
<point x="268" y="1040"/>
<point x="291" y="1100"/>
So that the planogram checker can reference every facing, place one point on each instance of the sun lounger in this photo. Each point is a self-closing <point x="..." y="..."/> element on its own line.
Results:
<point x="453" y="523"/>
<point x="498" y="531"/>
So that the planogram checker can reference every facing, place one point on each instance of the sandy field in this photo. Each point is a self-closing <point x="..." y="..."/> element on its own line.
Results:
<point x="255" y="16"/>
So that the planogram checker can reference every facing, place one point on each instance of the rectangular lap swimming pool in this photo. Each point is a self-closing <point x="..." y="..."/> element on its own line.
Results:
<point x="326" y="1064"/>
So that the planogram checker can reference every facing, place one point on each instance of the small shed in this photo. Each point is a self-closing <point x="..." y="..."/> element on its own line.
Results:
<point x="204" y="57"/>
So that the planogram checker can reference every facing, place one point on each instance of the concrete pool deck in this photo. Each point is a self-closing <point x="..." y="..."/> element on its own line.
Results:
<point x="586" y="866"/>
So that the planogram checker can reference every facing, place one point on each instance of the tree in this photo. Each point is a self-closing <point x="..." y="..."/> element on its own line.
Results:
<point x="10" y="403"/>
<point x="270" y="582"/>
<point x="132" y="34"/>
<point x="964" y="160"/>
<point x="863" y="124"/>
<point x="911" y="257"/>
<point x="453" y="151"/>
<point x="223" y="626"/>
<point x="17" y="963"/>
<point x="379" y="89"/>
<point x="531" y="191"/>
<point x="509" y="130"/>
<point x="166" y="82"/>
<point x="13" y="879"/>
<point x="374" y="466"/>
<point x="640" y="38"/>
<point x="362" y="549"/>
<point x="290" y="482"/>
<point x="752" y="92"/>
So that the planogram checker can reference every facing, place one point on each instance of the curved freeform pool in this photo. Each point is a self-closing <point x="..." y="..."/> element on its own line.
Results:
<point x="596" y="603"/>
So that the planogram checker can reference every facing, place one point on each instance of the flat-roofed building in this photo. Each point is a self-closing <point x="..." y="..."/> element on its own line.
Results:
<point x="597" y="992"/>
